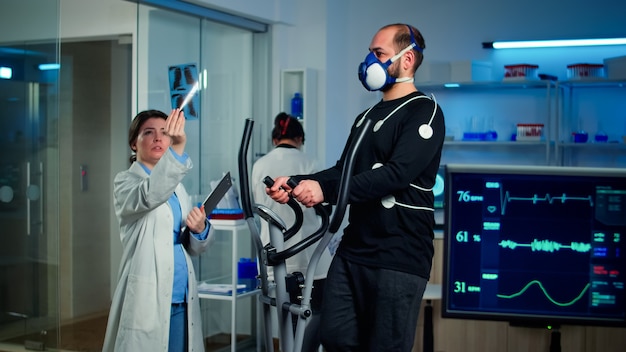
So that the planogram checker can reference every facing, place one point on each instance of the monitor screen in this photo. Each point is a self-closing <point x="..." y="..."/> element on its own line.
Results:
<point x="438" y="192"/>
<point x="438" y="188"/>
<point x="537" y="245"/>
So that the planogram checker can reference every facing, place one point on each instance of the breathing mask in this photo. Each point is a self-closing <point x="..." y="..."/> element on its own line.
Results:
<point x="373" y="73"/>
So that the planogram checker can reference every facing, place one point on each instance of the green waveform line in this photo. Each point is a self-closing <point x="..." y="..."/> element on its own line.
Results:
<point x="547" y="245"/>
<point x="507" y="198"/>
<point x="565" y="304"/>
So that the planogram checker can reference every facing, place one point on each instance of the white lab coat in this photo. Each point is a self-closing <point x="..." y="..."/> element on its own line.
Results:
<point x="140" y="311"/>
<point x="288" y="162"/>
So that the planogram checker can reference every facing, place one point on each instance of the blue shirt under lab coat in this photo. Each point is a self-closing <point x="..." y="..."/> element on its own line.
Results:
<point x="180" y="266"/>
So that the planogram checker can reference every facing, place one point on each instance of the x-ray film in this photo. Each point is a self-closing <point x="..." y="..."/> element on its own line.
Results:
<point x="184" y="89"/>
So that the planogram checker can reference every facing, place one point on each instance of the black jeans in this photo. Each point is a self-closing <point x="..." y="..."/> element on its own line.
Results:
<point x="369" y="309"/>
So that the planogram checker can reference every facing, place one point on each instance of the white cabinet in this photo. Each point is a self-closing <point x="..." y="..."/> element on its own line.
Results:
<point x="218" y="265"/>
<point x="303" y="81"/>
<point x="596" y="108"/>
<point x="480" y="107"/>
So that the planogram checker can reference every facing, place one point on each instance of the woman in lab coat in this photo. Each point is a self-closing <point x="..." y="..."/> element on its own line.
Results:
<point x="155" y="306"/>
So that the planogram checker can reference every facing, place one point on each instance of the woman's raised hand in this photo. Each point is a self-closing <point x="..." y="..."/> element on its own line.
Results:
<point x="175" y="128"/>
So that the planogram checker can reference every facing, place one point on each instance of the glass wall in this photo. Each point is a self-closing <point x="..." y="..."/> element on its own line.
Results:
<point x="63" y="139"/>
<point x="230" y="65"/>
<point x="29" y="119"/>
<point x="221" y="60"/>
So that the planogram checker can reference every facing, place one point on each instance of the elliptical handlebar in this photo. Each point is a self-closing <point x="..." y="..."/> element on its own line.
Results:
<point x="333" y="224"/>
<point x="293" y="204"/>
<point x="274" y="258"/>
<point x="344" y="183"/>
<point x="246" y="203"/>
<point x="291" y="339"/>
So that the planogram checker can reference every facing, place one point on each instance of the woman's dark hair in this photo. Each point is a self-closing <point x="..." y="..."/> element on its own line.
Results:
<point x="135" y="126"/>
<point x="287" y="127"/>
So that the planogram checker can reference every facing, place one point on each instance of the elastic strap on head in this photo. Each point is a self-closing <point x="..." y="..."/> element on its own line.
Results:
<point x="416" y="47"/>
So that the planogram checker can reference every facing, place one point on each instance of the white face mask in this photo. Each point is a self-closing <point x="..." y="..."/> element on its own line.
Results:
<point x="373" y="73"/>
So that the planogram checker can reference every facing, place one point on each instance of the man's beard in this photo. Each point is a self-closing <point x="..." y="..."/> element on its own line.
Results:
<point x="394" y="71"/>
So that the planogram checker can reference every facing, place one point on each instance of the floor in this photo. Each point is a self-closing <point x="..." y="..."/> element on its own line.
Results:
<point x="88" y="336"/>
<point x="82" y="336"/>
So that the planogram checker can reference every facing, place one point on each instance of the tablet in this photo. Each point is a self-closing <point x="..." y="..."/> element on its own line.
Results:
<point x="218" y="193"/>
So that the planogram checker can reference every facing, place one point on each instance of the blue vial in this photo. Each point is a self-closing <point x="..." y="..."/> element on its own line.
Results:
<point x="247" y="273"/>
<point x="296" y="106"/>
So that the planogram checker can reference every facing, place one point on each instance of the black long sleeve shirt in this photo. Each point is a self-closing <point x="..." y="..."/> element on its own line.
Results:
<point x="391" y="218"/>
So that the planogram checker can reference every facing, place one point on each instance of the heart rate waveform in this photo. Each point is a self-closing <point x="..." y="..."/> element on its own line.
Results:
<point x="545" y="292"/>
<point x="547" y="245"/>
<point x="507" y="198"/>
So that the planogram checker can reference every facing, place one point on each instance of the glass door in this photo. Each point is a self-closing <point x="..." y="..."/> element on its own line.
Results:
<point x="29" y="183"/>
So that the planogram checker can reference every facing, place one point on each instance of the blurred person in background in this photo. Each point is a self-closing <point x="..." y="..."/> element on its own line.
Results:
<point x="285" y="159"/>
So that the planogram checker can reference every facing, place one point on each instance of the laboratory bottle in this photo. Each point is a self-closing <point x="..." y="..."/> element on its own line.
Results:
<point x="296" y="106"/>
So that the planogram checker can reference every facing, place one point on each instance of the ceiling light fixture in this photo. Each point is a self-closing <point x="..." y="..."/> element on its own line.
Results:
<point x="552" y="43"/>
<point x="48" y="67"/>
<point x="6" y="72"/>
